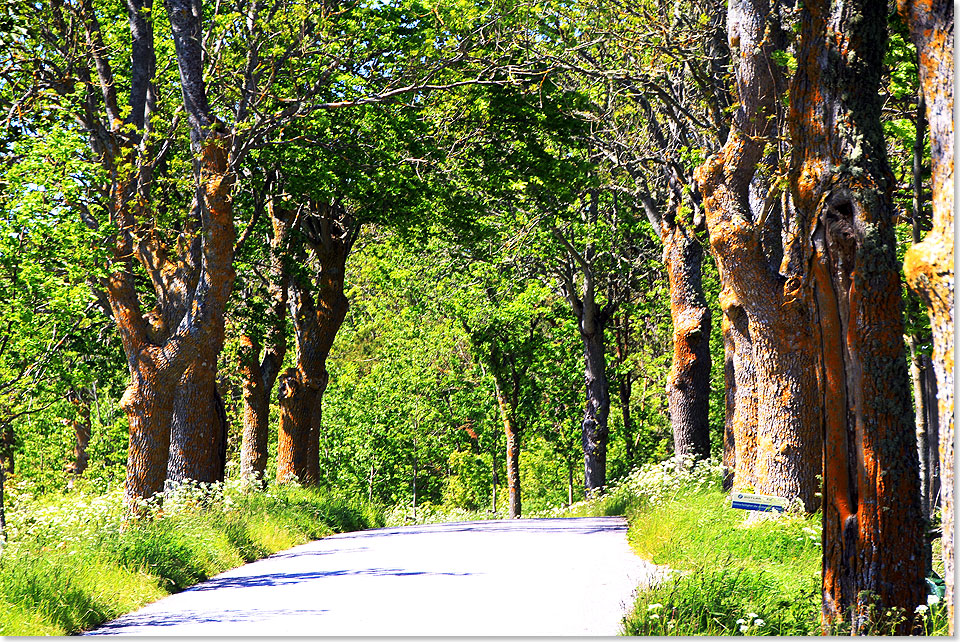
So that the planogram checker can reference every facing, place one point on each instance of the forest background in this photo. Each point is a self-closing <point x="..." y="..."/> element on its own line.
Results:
<point x="487" y="257"/>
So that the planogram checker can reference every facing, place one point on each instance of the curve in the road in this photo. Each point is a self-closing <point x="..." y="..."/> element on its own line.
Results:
<point x="520" y="577"/>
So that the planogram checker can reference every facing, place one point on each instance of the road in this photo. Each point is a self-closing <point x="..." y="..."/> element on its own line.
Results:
<point x="521" y="577"/>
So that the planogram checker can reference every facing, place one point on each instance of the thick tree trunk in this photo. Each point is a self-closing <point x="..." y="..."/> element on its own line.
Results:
<point x="842" y="188"/>
<point x="729" y="407"/>
<point x="745" y="221"/>
<point x="256" y="412"/>
<point x="928" y="266"/>
<point x="198" y="430"/>
<point x="81" y="435"/>
<point x="594" y="427"/>
<point x="743" y="415"/>
<point x="688" y="387"/>
<point x="298" y="398"/>
<point x="512" y="432"/>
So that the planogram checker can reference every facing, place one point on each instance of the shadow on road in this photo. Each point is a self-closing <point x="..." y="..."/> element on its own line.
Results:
<point x="572" y="526"/>
<point x="279" y="579"/>
<point x="196" y="617"/>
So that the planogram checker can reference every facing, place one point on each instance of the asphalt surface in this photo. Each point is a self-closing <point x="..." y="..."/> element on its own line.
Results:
<point x="522" y="577"/>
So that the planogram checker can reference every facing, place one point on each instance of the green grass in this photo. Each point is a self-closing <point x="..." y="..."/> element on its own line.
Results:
<point x="731" y="572"/>
<point x="759" y="578"/>
<point x="72" y="562"/>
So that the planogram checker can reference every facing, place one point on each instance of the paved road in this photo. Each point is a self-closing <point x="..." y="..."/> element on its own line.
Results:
<point x="521" y="577"/>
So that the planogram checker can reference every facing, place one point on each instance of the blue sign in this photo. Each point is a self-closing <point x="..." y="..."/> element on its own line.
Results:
<point x="749" y="501"/>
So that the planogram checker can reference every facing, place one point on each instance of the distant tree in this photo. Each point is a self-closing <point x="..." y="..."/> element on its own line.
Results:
<point x="929" y="265"/>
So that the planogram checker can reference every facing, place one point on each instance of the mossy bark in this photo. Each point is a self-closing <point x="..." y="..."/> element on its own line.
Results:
<point x="842" y="187"/>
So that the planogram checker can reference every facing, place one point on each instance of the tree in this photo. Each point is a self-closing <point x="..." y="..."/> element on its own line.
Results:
<point x="746" y="220"/>
<point x="929" y="265"/>
<point x="840" y="184"/>
<point x="259" y="374"/>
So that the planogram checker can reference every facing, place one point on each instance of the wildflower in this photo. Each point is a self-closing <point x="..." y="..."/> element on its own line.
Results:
<point x="921" y="609"/>
<point x="933" y="599"/>
<point x="743" y="628"/>
<point x="654" y="607"/>
<point x="741" y="621"/>
<point x="752" y="615"/>
<point x="758" y="622"/>
<point x="654" y="616"/>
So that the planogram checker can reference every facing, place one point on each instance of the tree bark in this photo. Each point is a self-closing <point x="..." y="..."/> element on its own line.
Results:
<point x="198" y="430"/>
<point x="688" y="386"/>
<point x="594" y="427"/>
<point x="7" y="442"/>
<point x="928" y="266"/>
<point x="745" y="221"/>
<point x="842" y="188"/>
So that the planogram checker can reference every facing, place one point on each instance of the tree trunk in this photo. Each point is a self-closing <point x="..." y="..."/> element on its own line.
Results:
<point x="512" y="432"/>
<point x="842" y="188"/>
<point x="688" y="387"/>
<point x="7" y="442"/>
<point x="932" y="425"/>
<point x="330" y="232"/>
<point x="198" y="430"/>
<point x="81" y="434"/>
<point x="259" y="375"/>
<point x="256" y="412"/>
<point x="745" y="221"/>
<point x="3" y="510"/>
<point x="928" y="266"/>
<point x="742" y="417"/>
<point x="594" y="427"/>
<point x="297" y="397"/>
<point x="493" y="478"/>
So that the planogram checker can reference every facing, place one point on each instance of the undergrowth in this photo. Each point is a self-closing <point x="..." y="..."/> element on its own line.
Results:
<point x="71" y="562"/>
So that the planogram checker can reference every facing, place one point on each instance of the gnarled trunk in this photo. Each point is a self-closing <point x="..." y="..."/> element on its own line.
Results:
<point x="741" y="406"/>
<point x="688" y="387"/>
<point x="928" y="266"/>
<point x="745" y="222"/>
<point x="298" y="398"/>
<point x="842" y="188"/>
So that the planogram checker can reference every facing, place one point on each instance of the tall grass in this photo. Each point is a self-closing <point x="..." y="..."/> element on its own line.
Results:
<point x="72" y="562"/>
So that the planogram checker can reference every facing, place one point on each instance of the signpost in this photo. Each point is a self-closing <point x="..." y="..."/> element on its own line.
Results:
<point x="749" y="501"/>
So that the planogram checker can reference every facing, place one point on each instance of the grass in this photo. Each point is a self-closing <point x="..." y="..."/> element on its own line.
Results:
<point x="732" y="572"/>
<point x="71" y="562"/>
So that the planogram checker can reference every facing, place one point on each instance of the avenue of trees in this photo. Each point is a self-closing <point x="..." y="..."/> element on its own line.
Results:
<point x="489" y="255"/>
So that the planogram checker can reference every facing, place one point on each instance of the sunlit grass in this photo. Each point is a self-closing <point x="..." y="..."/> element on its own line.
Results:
<point x="71" y="562"/>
